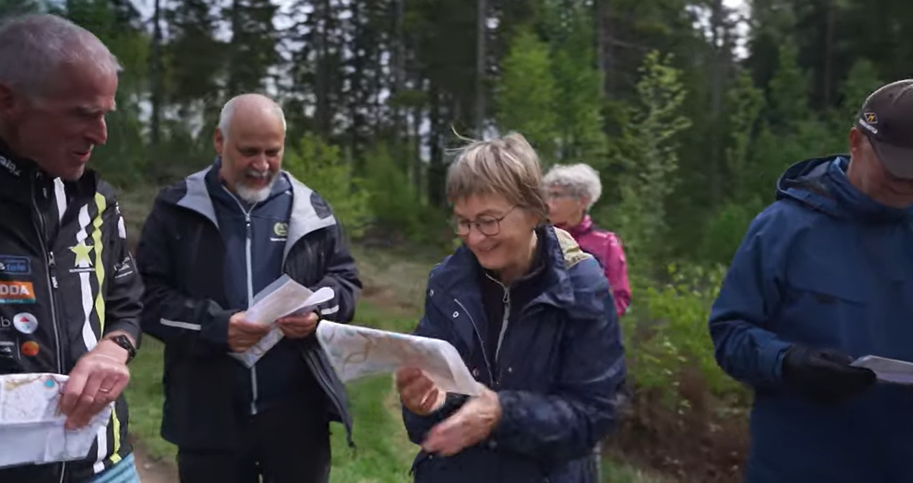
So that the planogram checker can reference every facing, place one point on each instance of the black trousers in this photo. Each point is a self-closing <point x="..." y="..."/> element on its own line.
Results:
<point x="283" y="444"/>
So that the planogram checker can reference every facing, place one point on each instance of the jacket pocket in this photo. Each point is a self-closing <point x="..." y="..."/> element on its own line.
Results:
<point x="825" y="306"/>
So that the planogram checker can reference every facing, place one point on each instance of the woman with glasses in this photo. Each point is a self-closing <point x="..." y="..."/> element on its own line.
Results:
<point x="532" y="317"/>
<point x="572" y="190"/>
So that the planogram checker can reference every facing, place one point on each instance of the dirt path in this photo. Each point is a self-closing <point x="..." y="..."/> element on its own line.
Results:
<point x="153" y="471"/>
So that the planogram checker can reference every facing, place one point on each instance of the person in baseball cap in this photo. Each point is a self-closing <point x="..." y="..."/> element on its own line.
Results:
<point x="886" y="119"/>
<point x="822" y="279"/>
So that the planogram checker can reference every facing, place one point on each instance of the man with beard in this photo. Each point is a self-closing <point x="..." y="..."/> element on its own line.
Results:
<point x="211" y="242"/>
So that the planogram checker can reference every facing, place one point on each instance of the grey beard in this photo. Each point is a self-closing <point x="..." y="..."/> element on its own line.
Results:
<point x="255" y="195"/>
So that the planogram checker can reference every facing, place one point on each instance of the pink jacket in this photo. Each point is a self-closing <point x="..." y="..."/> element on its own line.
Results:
<point x="606" y="247"/>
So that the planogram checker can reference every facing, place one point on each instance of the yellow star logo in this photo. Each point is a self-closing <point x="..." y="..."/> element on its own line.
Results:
<point x="82" y="252"/>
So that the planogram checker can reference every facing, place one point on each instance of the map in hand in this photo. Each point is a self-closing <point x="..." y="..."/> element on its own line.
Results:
<point x="31" y="429"/>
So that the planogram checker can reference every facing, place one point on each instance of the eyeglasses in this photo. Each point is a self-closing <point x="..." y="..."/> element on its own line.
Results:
<point x="487" y="225"/>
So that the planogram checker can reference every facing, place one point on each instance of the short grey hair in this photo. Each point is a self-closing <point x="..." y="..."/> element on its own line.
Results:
<point x="580" y="180"/>
<point x="228" y="111"/>
<point x="34" y="47"/>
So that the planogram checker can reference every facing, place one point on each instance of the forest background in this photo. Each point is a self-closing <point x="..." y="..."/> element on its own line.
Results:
<point x="690" y="110"/>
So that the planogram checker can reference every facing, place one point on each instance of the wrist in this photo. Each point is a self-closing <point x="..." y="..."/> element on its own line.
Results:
<point x="118" y="347"/>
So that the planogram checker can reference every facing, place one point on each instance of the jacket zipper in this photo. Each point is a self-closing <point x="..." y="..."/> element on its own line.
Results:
<point x="505" y="321"/>
<point x="250" y="290"/>
<point x="41" y="228"/>
<point x="481" y="343"/>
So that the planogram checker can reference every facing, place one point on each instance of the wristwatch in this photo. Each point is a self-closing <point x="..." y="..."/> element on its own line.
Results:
<point x="124" y="342"/>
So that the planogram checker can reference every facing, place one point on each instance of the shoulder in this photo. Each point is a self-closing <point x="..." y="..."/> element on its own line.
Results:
<point x="585" y="275"/>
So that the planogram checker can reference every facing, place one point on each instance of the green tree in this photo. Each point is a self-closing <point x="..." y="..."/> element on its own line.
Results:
<point x="526" y="95"/>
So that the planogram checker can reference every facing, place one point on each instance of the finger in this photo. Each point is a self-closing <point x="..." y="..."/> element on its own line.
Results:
<point x="416" y="390"/>
<point x="430" y="400"/>
<point x="312" y="318"/>
<point x="73" y="389"/>
<point x="405" y="375"/>
<point x="253" y="328"/>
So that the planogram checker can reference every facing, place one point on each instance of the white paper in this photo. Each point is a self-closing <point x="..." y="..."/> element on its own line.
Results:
<point x="281" y="298"/>
<point x="888" y="370"/>
<point x="32" y="431"/>
<point x="356" y="352"/>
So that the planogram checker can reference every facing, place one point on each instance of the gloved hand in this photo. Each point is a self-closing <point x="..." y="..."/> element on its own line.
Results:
<point x="824" y="376"/>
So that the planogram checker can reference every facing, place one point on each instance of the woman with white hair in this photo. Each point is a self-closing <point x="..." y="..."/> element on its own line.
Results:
<point x="527" y="311"/>
<point x="572" y="191"/>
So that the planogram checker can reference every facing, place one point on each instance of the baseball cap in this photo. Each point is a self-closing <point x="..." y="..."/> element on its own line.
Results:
<point x="886" y="118"/>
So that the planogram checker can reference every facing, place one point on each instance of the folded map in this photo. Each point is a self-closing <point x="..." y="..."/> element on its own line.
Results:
<point x="31" y="429"/>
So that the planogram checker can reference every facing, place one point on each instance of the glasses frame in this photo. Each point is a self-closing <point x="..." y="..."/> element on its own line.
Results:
<point x="458" y="226"/>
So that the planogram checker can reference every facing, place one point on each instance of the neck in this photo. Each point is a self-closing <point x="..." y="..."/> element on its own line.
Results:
<point x="516" y="270"/>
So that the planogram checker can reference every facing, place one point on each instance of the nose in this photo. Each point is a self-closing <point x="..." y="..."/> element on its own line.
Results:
<point x="97" y="133"/>
<point x="261" y="163"/>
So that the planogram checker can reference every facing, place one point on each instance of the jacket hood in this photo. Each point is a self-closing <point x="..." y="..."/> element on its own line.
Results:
<point x="822" y="185"/>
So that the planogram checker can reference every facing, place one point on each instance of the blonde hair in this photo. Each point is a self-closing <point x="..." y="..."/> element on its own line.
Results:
<point x="581" y="180"/>
<point x="506" y="166"/>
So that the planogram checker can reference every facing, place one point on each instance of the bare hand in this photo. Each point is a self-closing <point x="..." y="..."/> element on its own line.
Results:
<point x="418" y="392"/>
<point x="471" y="424"/>
<point x="98" y="379"/>
<point x="298" y="326"/>
<point x="242" y="333"/>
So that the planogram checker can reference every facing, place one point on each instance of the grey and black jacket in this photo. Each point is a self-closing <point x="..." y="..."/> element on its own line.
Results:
<point x="182" y="259"/>
<point x="67" y="279"/>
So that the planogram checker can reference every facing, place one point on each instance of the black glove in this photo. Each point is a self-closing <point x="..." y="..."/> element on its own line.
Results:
<point x="824" y="376"/>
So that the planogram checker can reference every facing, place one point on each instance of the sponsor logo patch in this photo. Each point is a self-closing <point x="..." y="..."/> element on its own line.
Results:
<point x="25" y="323"/>
<point x="16" y="293"/>
<point x="10" y="265"/>
<point x="30" y="348"/>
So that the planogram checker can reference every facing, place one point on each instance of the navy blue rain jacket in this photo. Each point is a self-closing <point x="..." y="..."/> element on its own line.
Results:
<point x="827" y="267"/>
<point x="561" y="368"/>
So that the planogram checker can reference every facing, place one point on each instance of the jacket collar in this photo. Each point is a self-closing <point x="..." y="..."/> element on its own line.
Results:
<point x="458" y="275"/>
<point x="583" y="227"/>
<point x="309" y="211"/>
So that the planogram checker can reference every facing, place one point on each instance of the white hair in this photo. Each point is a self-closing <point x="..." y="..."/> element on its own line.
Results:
<point x="34" y="47"/>
<point x="580" y="180"/>
<point x="228" y="111"/>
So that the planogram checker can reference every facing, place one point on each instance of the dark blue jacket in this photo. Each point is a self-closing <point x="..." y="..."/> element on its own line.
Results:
<point x="827" y="267"/>
<point x="182" y="258"/>
<point x="561" y="368"/>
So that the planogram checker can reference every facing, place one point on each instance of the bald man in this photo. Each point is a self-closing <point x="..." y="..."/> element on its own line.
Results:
<point x="211" y="243"/>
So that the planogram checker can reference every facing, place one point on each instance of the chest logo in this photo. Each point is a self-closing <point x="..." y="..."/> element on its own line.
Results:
<point x="280" y="229"/>
<point x="10" y="265"/>
<point x="25" y="323"/>
<point x="83" y="260"/>
<point x="15" y="292"/>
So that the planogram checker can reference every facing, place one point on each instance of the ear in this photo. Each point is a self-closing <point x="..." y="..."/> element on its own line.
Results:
<point x="218" y="141"/>
<point x="857" y="139"/>
<point x="584" y="202"/>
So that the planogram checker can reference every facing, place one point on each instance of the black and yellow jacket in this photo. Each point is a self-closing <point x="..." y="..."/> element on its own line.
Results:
<point x="66" y="280"/>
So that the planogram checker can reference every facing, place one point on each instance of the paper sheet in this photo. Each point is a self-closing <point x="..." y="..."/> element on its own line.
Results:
<point x="888" y="370"/>
<point x="356" y="352"/>
<point x="31" y="430"/>
<point x="282" y="297"/>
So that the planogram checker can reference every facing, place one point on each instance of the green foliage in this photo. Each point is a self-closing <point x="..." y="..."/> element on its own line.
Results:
<point x="667" y="333"/>
<point x="649" y="157"/>
<point x="527" y="92"/>
<point x="320" y="166"/>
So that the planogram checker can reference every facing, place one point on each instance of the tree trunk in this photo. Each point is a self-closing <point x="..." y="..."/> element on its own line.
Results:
<point x="481" y="34"/>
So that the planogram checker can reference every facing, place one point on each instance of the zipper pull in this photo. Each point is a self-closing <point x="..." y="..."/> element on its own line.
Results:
<point x="52" y="265"/>
<point x="506" y="297"/>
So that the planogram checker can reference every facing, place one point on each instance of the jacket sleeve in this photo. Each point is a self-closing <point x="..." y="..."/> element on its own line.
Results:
<point x="744" y="346"/>
<point x="583" y="405"/>
<point x="170" y="315"/>
<point x="616" y="271"/>
<point x="124" y="292"/>
<point x="342" y="276"/>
